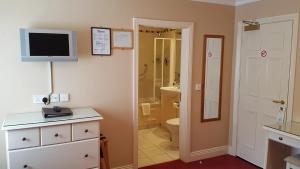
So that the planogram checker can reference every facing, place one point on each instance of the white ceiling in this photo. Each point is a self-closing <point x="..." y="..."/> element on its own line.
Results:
<point x="228" y="2"/>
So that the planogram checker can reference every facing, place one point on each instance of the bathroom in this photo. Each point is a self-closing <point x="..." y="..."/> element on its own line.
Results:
<point x="159" y="95"/>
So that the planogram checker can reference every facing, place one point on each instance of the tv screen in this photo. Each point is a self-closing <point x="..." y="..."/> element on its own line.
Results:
<point x="49" y="44"/>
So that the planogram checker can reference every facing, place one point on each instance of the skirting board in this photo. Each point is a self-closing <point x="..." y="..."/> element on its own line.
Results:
<point x="231" y="151"/>
<point x="208" y="153"/>
<point x="130" y="166"/>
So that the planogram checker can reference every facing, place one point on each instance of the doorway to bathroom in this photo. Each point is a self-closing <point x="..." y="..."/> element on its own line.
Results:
<point x="162" y="83"/>
<point x="158" y="95"/>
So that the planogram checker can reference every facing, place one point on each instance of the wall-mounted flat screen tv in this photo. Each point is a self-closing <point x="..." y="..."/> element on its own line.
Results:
<point x="48" y="45"/>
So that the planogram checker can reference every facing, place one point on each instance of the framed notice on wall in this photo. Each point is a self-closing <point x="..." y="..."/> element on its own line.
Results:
<point x="122" y="39"/>
<point x="101" y="41"/>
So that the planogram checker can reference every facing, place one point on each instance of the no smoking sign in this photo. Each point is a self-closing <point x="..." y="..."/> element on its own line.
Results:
<point x="263" y="53"/>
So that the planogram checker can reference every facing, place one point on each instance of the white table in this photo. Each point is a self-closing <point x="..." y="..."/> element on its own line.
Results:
<point x="282" y="141"/>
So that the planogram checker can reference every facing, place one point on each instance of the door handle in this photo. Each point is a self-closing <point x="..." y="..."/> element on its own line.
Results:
<point x="279" y="102"/>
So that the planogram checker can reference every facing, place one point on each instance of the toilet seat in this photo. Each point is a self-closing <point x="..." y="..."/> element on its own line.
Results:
<point x="173" y="122"/>
<point x="173" y="127"/>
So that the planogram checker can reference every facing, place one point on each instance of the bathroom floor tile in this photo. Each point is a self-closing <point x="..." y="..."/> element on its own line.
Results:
<point x="153" y="151"/>
<point x="173" y="155"/>
<point x="155" y="147"/>
<point x="147" y="147"/>
<point x="161" y="158"/>
<point x="155" y="140"/>
<point x="145" y="162"/>
<point x="142" y="155"/>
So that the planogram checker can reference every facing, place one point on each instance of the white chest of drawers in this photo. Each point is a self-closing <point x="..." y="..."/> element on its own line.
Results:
<point x="70" y="142"/>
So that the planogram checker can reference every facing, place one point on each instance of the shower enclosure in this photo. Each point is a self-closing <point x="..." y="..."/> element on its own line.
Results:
<point x="159" y="66"/>
<point x="166" y="60"/>
<point x="159" y="62"/>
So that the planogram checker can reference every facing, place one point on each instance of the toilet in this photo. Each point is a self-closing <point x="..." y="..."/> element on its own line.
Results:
<point x="173" y="127"/>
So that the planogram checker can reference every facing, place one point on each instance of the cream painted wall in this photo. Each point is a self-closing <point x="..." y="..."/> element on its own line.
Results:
<point x="105" y="83"/>
<point x="269" y="8"/>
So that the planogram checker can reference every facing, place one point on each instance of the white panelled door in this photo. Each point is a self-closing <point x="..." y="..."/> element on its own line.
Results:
<point x="264" y="81"/>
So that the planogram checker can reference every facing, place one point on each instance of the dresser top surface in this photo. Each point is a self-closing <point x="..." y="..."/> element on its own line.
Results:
<point x="290" y="128"/>
<point x="36" y="119"/>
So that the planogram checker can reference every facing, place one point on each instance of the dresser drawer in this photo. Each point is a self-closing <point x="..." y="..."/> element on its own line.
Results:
<point x="291" y="166"/>
<point x="23" y="138"/>
<point x="85" y="130"/>
<point x="56" y="134"/>
<point x="74" y="155"/>
<point x="284" y="139"/>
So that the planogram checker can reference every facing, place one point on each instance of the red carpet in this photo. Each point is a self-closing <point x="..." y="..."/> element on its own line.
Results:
<point x="222" y="162"/>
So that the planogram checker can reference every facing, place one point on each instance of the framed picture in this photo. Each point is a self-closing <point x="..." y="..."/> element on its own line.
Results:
<point x="101" y="41"/>
<point x="122" y="39"/>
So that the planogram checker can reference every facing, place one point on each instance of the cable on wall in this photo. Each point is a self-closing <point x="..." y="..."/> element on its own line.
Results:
<point x="47" y="100"/>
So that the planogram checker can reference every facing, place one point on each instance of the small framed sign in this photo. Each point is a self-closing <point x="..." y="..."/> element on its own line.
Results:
<point x="122" y="39"/>
<point x="101" y="41"/>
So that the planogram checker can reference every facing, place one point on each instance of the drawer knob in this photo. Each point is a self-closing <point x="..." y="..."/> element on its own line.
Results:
<point x="86" y="130"/>
<point x="86" y="155"/>
<point x="25" y="166"/>
<point x="24" y="139"/>
<point x="56" y="135"/>
<point x="280" y="138"/>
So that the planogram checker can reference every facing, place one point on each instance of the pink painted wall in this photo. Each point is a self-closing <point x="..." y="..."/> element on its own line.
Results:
<point x="105" y="83"/>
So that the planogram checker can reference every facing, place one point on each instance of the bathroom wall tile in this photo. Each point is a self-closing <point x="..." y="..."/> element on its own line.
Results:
<point x="167" y="109"/>
<point x="152" y="120"/>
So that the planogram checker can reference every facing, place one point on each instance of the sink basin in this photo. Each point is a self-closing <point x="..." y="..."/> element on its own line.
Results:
<point x="170" y="89"/>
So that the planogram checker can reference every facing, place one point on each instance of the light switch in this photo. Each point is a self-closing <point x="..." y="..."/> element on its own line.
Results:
<point x="198" y="87"/>
<point x="64" y="97"/>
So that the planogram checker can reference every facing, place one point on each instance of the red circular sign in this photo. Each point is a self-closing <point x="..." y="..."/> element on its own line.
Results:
<point x="209" y="54"/>
<point x="263" y="53"/>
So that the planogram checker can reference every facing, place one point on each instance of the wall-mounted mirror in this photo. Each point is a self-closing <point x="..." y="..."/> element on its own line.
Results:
<point x="212" y="77"/>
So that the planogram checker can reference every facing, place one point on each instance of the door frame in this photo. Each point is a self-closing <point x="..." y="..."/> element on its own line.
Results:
<point x="185" y="80"/>
<point x="236" y="74"/>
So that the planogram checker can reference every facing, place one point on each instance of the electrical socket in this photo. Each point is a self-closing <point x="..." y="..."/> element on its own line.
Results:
<point x="38" y="99"/>
<point x="54" y="98"/>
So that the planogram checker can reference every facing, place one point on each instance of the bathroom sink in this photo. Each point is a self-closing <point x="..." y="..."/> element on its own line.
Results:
<point x="170" y="89"/>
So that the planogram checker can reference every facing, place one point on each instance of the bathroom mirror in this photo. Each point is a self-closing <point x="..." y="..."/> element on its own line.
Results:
<point x="212" y="77"/>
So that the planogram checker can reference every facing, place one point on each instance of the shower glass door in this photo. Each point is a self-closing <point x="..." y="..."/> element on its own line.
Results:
<point x="158" y="69"/>
<point x="162" y="59"/>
